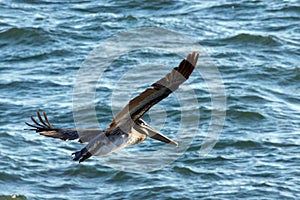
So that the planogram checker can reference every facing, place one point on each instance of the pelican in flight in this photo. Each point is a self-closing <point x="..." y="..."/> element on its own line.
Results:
<point x="127" y="128"/>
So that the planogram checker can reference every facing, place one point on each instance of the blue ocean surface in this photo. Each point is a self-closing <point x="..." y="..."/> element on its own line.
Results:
<point x="255" y="47"/>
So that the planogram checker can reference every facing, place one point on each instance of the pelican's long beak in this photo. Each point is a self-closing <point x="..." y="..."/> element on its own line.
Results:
<point x="160" y="137"/>
<point x="143" y="127"/>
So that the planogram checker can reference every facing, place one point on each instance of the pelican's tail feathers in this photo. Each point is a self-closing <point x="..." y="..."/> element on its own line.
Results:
<point x="81" y="155"/>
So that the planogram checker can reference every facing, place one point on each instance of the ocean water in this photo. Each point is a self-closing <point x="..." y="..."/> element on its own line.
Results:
<point x="254" y="45"/>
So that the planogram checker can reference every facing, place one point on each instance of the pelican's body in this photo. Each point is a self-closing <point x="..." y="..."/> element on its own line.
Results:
<point x="127" y="128"/>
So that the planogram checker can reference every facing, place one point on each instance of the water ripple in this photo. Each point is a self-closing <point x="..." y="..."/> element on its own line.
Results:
<point x="254" y="44"/>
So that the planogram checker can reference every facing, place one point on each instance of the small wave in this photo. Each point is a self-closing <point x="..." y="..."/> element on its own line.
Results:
<point x="13" y="197"/>
<point x="119" y="177"/>
<point x="8" y="177"/>
<point x="245" y="38"/>
<point x="278" y="143"/>
<point x="185" y="170"/>
<point x="245" y="116"/>
<point x="295" y="9"/>
<point x="236" y="6"/>
<point x="253" y="98"/>
<point x="89" y="171"/>
<point x="237" y="144"/>
<point x="289" y="8"/>
<point x="227" y="6"/>
<point x="25" y="35"/>
<point x="21" y="84"/>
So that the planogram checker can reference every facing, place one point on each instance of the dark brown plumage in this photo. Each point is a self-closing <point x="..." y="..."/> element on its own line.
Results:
<point x="127" y="128"/>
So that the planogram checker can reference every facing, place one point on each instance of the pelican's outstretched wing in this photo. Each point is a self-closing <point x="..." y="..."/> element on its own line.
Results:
<point x="138" y="106"/>
<point x="44" y="127"/>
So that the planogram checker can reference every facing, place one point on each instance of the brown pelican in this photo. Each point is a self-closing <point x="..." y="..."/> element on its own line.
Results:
<point x="127" y="128"/>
